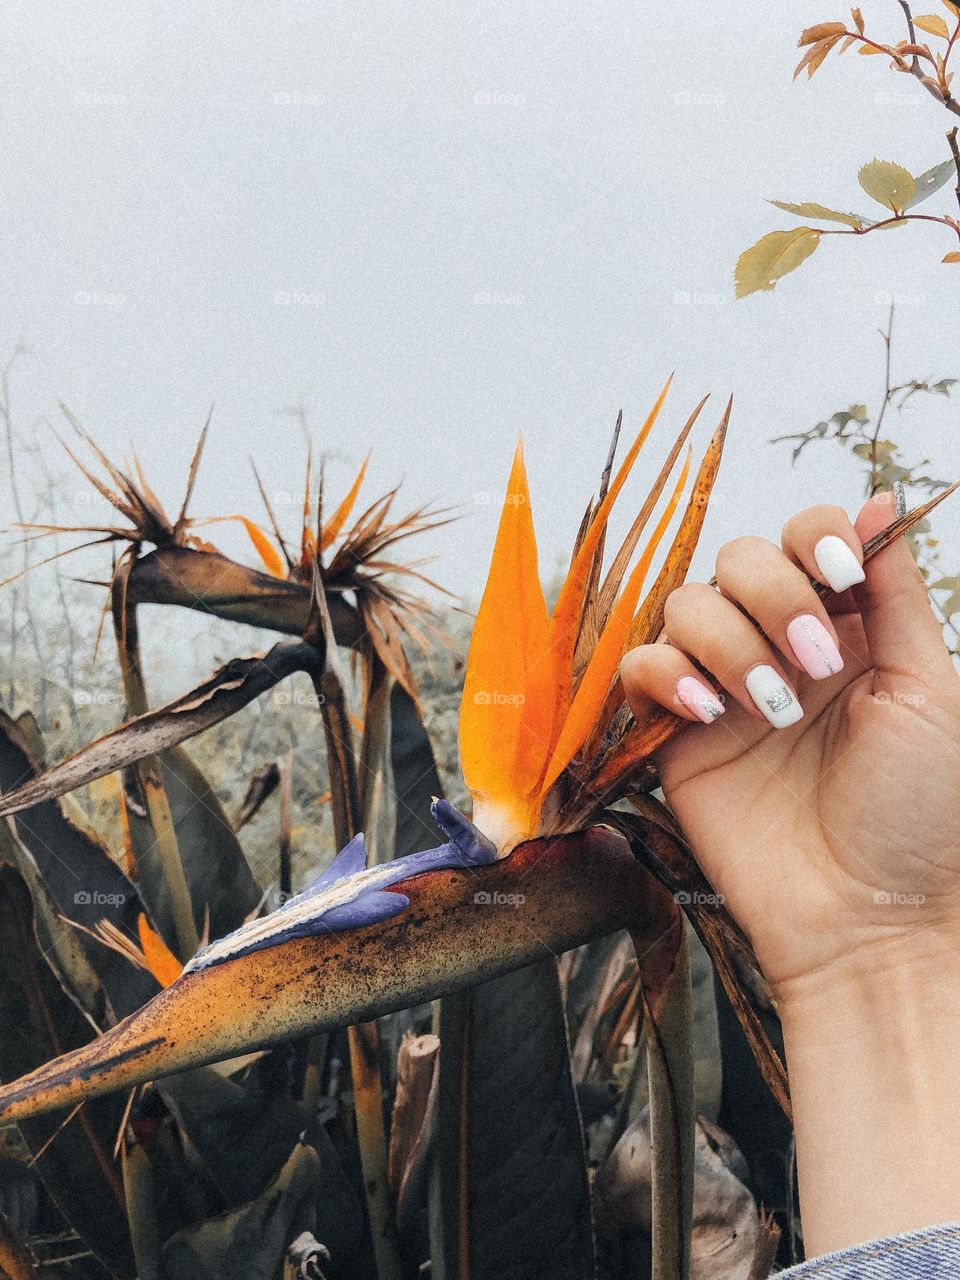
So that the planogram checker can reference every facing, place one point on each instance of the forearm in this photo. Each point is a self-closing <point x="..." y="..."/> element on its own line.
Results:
<point x="873" y="1055"/>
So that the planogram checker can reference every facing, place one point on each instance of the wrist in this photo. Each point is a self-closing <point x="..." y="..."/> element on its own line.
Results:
<point x="871" y="1056"/>
<point x="897" y="975"/>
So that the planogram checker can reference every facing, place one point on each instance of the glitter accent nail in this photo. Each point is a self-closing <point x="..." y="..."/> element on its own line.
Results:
<point x="698" y="698"/>
<point x="771" y="695"/>
<point x="814" y="647"/>
<point x="899" y="498"/>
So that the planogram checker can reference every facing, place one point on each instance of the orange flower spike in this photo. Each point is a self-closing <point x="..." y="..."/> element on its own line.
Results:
<point x="565" y="621"/>
<point x="261" y="542"/>
<point x="265" y="549"/>
<point x="339" y="517"/>
<point x="160" y="960"/>
<point x="507" y="691"/>
<point x="605" y="659"/>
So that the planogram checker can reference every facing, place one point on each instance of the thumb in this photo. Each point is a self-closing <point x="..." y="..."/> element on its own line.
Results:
<point x="903" y="635"/>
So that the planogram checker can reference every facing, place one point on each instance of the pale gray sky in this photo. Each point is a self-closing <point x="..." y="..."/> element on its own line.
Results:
<point x="442" y="225"/>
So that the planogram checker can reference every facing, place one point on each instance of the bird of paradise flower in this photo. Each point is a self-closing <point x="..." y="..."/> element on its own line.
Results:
<point x="547" y="746"/>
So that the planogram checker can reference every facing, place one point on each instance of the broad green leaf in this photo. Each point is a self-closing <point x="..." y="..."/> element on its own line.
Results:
<point x="933" y="24"/>
<point x="809" y="209"/>
<point x="242" y="1134"/>
<point x="888" y="183"/>
<point x="39" y="1021"/>
<point x="415" y="777"/>
<point x="932" y="181"/>
<point x="249" y="1242"/>
<point x="512" y="1165"/>
<point x="82" y="881"/>
<point x="217" y="873"/>
<point x="773" y="256"/>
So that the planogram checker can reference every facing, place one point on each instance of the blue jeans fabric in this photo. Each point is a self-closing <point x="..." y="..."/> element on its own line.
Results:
<point x="931" y="1254"/>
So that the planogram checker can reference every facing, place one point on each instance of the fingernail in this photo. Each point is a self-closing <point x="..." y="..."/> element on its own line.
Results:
<point x="837" y="563"/>
<point x="772" y="696"/>
<point x="699" y="699"/>
<point x="814" y="647"/>
<point x="899" y="498"/>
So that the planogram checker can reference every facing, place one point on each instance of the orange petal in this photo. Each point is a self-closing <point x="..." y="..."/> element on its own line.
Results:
<point x="565" y="621"/>
<point x="339" y="517"/>
<point x="507" y="691"/>
<point x="261" y="540"/>
<point x="605" y="659"/>
<point x="161" y="961"/>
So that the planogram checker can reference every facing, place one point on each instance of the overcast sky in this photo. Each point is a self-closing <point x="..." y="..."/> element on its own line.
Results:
<point x="437" y="226"/>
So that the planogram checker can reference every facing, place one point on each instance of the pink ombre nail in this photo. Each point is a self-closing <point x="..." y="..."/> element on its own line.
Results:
<point x="699" y="699"/>
<point x="814" y="647"/>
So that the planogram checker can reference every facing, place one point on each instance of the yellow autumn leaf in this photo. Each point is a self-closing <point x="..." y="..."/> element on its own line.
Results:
<point x="867" y="49"/>
<point x="814" y="57"/>
<point x="889" y="184"/>
<point x="857" y="19"/>
<point x="953" y="9"/>
<point x="772" y="257"/>
<point x="822" y="31"/>
<point x="933" y="24"/>
<point x="809" y="209"/>
<point x="952" y="257"/>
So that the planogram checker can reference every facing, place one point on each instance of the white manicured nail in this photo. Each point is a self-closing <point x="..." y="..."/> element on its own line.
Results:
<point x="772" y="696"/>
<point x="837" y="563"/>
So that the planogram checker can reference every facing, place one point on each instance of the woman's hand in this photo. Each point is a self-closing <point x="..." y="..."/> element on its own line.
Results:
<point x="838" y="835"/>
<point x="835" y="842"/>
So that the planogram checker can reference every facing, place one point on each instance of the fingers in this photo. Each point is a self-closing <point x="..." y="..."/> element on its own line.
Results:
<point x="766" y="603"/>
<point x="663" y="674"/>
<point x="758" y="577"/>
<point x="714" y="632"/>
<point x="825" y="543"/>
<point x="903" y="634"/>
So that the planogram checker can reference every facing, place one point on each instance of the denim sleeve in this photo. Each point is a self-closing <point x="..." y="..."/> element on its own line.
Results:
<point x="931" y="1254"/>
